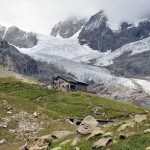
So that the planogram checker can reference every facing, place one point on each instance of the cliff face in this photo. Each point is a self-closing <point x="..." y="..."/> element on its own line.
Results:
<point x="68" y="28"/>
<point x="15" y="61"/>
<point x="18" y="37"/>
<point x="99" y="36"/>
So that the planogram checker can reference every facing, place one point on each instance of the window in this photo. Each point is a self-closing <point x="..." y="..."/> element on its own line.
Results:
<point x="72" y="87"/>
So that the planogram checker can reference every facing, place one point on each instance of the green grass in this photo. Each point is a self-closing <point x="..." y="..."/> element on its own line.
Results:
<point x="59" y="105"/>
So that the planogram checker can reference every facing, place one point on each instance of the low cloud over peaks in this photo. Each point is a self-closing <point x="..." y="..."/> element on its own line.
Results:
<point x="41" y="15"/>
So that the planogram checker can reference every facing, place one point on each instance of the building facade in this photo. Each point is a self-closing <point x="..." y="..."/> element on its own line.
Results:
<point x="69" y="84"/>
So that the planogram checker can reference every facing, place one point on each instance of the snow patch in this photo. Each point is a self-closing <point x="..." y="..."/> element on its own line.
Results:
<point x="134" y="48"/>
<point x="144" y="84"/>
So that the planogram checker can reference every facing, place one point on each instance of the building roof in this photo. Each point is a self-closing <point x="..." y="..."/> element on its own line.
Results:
<point x="71" y="80"/>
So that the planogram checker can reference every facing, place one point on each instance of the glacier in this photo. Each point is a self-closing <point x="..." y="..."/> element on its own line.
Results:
<point x="69" y="55"/>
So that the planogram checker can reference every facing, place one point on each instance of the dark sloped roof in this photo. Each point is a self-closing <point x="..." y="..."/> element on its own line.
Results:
<point x="70" y="80"/>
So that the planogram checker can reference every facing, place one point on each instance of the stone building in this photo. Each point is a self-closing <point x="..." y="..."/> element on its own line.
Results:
<point x="69" y="84"/>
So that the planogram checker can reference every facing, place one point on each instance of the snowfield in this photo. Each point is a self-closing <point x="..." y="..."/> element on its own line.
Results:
<point x="144" y="84"/>
<point x="67" y="48"/>
<point x="134" y="48"/>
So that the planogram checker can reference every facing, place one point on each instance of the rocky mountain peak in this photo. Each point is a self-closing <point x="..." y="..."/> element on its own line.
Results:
<point x="68" y="27"/>
<point x="97" y="21"/>
<point x="18" y="37"/>
<point x="99" y="36"/>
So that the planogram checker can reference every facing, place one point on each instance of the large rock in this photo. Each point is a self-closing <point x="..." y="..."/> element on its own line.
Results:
<point x="108" y="134"/>
<point x="96" y="132"/>
<point x="102" y="143"/>
<point x="68" y="28"/>
<point x="61" y="134"/>
<point x="88" y="125"/>
<point x="3" y="141"/>
<point x="125" y="126"/>
<point x="140" y="118"/>
<point x="147" y="131"/>
<point x="38" y="143"/>
<point x="148" y="148"/>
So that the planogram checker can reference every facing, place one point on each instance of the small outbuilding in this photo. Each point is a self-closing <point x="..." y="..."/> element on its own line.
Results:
<point x="63" y="83"/>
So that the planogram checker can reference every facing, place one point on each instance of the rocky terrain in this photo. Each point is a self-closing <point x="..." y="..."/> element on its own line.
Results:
<point x="68" y="28"/>
<point x="36" y="118"/>
<point x="18" y="37"/>
<point x="99" y="36"/>
<point x="115" y="63"/>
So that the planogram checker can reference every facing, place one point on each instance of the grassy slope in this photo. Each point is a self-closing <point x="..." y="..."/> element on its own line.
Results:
<point x="57" y="106"/>
<point x="5" y="73"/>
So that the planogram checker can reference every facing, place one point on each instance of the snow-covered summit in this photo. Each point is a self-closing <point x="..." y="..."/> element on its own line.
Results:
<point x="68" y="27"/>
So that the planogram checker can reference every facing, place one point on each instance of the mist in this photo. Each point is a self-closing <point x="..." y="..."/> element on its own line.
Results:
<point x="41" y="15"/>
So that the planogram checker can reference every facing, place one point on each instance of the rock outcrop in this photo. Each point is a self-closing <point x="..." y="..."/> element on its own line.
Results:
<point x="17" y="37"/>
<point x="20" y="38"/>
<point x="147" y="131"/>
<point x="60" y="134"/>
<point x="88" y="125"/>
<point x="131" y="66"/>
<point x="68" y="28"/>
<point x="38" y="143"/>
<point x="99" y="36"/>
<point x="140" y="118"/>
<point x="2" y="31"/>
<point x="102" y="143"/>
<point x="97" y="132"/>
<point x="44" y="142"/>
<point x="13" y="60"/>
<point x="125" y="126"/>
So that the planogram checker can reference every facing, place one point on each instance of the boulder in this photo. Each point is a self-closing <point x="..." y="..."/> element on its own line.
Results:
<point x="88" y="125"/>
<point x="148" y="148"/>
<point x="147" y="131"/>
<point x="76" y="148"/>
<point x="130" y="134"/>
<point x="2" y="141"/>
<point x="60" y="134"/>
<point x="96" y="133"/>
<point x="125" y="126"/>
<point x="38" y="143"/>
<point x="140" y="118"/>
<point x="103" y="143"/>
<point x="108" y="134"/>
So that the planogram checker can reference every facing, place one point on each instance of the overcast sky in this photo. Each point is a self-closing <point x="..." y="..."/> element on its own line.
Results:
<point x="41" y="15"/>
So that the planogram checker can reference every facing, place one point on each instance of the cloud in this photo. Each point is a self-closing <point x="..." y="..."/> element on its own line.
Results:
<point x="41" y="15"/>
